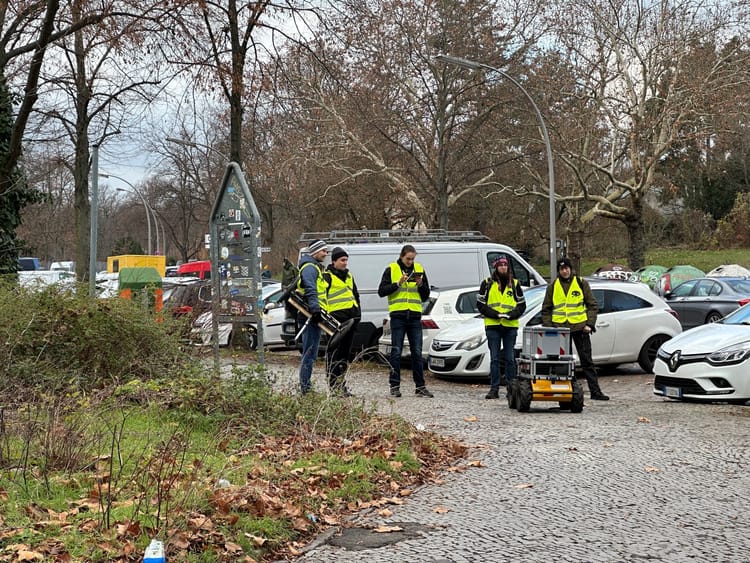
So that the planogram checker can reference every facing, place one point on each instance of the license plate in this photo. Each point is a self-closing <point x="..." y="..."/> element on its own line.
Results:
<point x="437" y="362"/>
<point x="674" y="392"/>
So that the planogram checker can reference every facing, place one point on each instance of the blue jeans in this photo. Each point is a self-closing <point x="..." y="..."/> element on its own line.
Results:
<point x="310" y="344"/>
<point x="504" y="336"/>
<point x="411" y="327"/>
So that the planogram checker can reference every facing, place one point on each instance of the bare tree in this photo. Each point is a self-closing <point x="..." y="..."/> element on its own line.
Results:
<point x="646" y="75"/>
<point x="380" y="111"/>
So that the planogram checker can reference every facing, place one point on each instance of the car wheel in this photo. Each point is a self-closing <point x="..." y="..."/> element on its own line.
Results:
<point x="251" y="338"/>
<point x="524" y="395"/>
<point x="647" y="356"/>
<point x="576" y="404"/>
<point x="512" y="390"/>
<point x="713" y="317"/>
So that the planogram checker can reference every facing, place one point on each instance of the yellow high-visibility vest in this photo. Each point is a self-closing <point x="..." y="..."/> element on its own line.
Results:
<point x="406" y="297"/>
<point x="568" y="308"/>
<point x="341" y="293"/>
<point x="321" y="286"/>
<point x="503" y="303"/>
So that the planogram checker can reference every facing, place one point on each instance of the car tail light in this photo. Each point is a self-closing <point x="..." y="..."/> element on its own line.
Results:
<point x="744" y="301"/>
<point x="429" y="323"/>
<point x="667" y="283"/>
<point x="182" y="310"/>
<point x="673" y="313"/>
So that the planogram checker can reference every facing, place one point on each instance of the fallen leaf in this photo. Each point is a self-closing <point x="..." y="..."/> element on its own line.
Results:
<point x="525" y="486"/>
<point x="385" y="513"/>
<point x="441" y="509"/>
<point x="387" y="529"/>
<point x="652" y="469"/>
<point x="257" y="540"/>
<point x="24" y="555"/>
<point x="405" y="492"/>
<point x="476" y="463"/>
<point x="470" y="419"/>
<point x="643" y="419"/>
<point x="232" y="547"/>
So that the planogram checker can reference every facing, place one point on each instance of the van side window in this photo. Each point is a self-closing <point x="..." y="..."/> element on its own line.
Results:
<point x="518" y="271"/>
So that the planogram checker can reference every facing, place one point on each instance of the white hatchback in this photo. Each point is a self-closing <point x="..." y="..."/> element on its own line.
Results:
<point x="707" y="363"/>
<point x="444" y="308"/>
<point x="632" y="323"/>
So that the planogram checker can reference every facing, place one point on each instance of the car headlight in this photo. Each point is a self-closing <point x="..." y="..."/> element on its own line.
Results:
<point x="733" y="354"/>
<point x="472" y="343"/>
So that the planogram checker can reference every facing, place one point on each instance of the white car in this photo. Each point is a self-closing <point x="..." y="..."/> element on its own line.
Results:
<point x="632" y="323"/>
<point x="273" y="318"/>
<point x="707" y="363"/>
<point x="444" y="308"/>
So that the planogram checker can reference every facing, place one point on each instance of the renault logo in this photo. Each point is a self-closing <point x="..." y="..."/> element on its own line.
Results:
<point x="674" y="360"/>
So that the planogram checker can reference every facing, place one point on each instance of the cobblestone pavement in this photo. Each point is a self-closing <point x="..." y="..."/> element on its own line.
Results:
<point x="636" y="478"/>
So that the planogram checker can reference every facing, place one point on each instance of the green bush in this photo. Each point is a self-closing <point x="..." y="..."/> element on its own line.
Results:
<point x="56" y="340"/>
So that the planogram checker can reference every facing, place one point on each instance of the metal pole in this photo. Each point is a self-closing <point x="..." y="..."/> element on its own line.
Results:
<point x="149" y="209"/>
<point x="94" y="216"/>
<point x="550" y="163"/>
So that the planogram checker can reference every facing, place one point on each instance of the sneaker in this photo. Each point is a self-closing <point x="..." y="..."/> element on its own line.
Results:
<point x="395" y="392"/>
<point x="599" y="397"/>
<point x="423" y="392"/>
<point x="493" y="394"/>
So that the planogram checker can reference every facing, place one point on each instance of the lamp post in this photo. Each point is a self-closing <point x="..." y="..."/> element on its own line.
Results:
<point x="149" y="211"/>
<point x="465" y="63"/>
<point x="94" y="213"/>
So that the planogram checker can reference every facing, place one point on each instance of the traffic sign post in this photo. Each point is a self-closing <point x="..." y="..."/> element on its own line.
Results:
<point x="235" y="244"/>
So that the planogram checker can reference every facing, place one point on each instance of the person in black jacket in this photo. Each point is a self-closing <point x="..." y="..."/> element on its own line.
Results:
<point x="343" y="305"/>
<point x="405" y="284"/>
<point x="501" y="302"/>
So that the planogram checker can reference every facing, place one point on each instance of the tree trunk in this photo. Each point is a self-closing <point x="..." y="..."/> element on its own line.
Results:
<point x="637" y="242"/>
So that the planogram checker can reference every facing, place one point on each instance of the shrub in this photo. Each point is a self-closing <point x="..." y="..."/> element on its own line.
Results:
<point x="58" y="340"/>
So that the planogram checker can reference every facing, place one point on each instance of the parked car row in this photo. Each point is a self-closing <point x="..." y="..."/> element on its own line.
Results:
<point x="632" y="323"/>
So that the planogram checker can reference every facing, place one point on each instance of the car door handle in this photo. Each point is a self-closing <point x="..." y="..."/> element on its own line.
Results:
<point x="601" y="325"/>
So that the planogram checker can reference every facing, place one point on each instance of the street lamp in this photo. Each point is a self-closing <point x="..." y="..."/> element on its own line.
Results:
<point x="148" y="219"/>
<point x="149" y="210"/>
<point x="550" y="166"/>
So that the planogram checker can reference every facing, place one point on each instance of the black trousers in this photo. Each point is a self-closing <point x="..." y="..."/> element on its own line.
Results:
<point x="337" y="359"/>
<point x="582" y="340"/>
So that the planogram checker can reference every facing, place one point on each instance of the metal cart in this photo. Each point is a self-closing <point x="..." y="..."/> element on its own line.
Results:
<point x="545" y="371"/>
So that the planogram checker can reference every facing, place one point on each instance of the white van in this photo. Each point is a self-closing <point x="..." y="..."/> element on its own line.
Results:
<point x="450" y="258"/>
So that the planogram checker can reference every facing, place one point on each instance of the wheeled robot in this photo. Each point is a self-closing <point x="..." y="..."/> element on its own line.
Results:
<point x="545" y="371"/>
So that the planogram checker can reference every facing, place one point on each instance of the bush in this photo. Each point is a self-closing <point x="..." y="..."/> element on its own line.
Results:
<point x="58" y="340"/>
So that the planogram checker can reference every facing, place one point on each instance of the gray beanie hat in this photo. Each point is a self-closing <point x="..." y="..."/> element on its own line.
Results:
<point x="316" y="246"/>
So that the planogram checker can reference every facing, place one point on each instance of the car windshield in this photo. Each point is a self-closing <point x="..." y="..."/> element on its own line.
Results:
<point x="739" y="317"/>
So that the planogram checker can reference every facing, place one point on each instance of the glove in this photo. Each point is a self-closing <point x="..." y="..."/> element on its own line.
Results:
<point x="496" y="315"/>
<point x="316" y="317"/>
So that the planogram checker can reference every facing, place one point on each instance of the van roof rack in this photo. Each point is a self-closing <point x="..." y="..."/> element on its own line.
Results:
<point x="403" y="235"/>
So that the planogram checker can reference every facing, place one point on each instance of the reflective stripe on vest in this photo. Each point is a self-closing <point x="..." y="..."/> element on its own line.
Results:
<point x="321" y="285"/>
<point x="341" y="293"/>
<point x="568" y="308"/>
<point x="503" y="303"/>
<point x="406" y="297"/>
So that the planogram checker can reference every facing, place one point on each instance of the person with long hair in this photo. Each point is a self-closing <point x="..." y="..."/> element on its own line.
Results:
<point x="501" y="302"/>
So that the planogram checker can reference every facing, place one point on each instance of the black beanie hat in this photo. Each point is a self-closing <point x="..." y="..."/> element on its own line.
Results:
<point x="337" y="253"/>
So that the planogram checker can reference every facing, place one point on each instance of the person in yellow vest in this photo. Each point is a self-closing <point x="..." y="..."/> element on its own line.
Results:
<point x="343" y="304"/>
<point x="313" y="289"/>
<point x="569" y="303"/>
<point x="405" y="284"/>
<point x="501" y="302"/>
